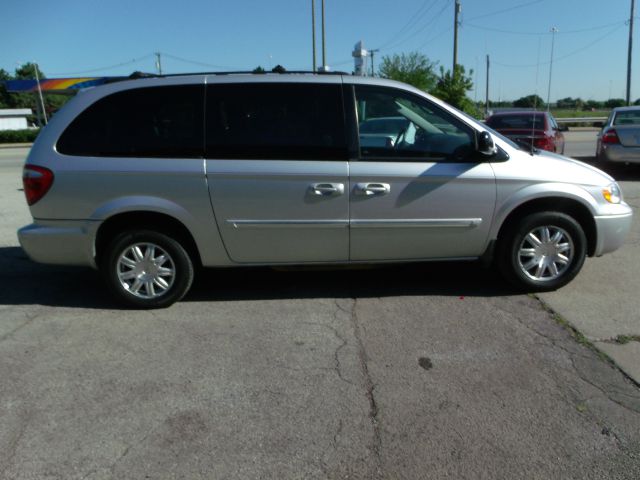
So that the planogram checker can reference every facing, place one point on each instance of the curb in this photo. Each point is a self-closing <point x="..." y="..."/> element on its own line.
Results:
<point x="15" y="145"/>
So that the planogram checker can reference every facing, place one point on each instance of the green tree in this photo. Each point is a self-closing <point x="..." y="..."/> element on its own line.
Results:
<point x="615" y="102"/>
<point x="637" y="102"/>
<point x="259" y="69"/>
<point x="413" y="68"/>
<point x="5" y="97"/>
<point x="592" y="105"/>
<point x="530" y="101"/>
<point x="453" y="88"/>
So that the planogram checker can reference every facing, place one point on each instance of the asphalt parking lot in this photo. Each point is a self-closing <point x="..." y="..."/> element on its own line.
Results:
<point x="418" y="371"/>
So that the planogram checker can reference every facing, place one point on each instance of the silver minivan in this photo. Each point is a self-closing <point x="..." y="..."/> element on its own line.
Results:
<point x="148" y="178"/>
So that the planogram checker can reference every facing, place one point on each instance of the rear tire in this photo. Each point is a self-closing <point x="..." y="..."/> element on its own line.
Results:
<point x="542" y="251"/>
<point x="147" y="269"/>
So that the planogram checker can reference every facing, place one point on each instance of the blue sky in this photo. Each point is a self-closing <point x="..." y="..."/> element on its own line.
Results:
<point x="76" y="38"/>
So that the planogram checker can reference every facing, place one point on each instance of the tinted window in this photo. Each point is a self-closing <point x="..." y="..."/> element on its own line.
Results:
<point x="275" y="121"/>
<point x="627" y="117"/>
<point x="518" y="121"/>
<point x="425" y="132"/>
<point x="142" y="122"/>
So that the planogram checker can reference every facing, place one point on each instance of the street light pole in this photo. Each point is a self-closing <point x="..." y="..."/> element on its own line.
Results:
<point x="158" y="63"/>
<point x="554" y="30"/>
<point x="44" y="111"/>
<point x="486" y="102"/>
<point x="324" y="57"/>
<point x="456" y="23"/>
<point x="313" y="32"/>
<point x="633" y="9"/>
<point x="372" y="52"/>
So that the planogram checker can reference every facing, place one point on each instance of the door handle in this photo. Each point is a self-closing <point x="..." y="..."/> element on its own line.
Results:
<point x="370" y="189"/>
<point x="327" y="189"/>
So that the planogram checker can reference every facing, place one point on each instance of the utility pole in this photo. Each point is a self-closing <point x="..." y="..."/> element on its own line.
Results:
<point x="633" y="11"/>
<point x="324" y="57"/>
<point x="44" y="112"/>
<point x="313" y="33"/>
<point x="456" y="23"/>
<point x="372" y="52"/>
<point x="486" y="102"/>
<point x="158" y="63"/>
<point x="554" y="30"/>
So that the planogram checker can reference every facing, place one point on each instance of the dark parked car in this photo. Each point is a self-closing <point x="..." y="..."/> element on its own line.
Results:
<point x="537" y="129"/>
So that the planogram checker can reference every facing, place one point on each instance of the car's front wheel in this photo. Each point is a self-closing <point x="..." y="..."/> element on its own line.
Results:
<point x="542" y="251"/>
<point x="147" y="269"/>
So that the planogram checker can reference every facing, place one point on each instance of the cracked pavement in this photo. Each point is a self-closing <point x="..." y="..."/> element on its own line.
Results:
<point x="417" y="371"/>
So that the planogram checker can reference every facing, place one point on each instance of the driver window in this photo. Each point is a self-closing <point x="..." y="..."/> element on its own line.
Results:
<point x="395" y="125"/>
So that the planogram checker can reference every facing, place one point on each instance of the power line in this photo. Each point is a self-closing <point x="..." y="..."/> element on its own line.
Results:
<point x="93" y="70"/>
<point x="195" y="62"/>
<point x="571" y="54"/>
<point x="429" y="23"/>
<point x="413" y="21"/>
<point x="513" y="32"/>
<point x="515" y="7"/>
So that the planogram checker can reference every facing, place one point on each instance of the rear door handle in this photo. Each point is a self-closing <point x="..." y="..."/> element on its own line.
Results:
<point x="327" y="189"/>
<point x="370" y="189"/>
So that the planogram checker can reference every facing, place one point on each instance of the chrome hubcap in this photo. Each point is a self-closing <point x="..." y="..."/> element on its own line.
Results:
<point x="545" y="253"/>
<point x="145" y="270"/>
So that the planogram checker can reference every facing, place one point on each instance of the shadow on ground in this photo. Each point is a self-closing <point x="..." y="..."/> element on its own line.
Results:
<point x="23" y="282"/>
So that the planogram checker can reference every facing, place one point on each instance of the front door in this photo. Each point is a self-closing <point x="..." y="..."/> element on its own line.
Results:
<point x="277" y="170"/>
<point x="419" y="191"/>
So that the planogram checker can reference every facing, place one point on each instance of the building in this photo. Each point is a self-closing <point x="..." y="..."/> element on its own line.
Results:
<point x="14" y="118"/>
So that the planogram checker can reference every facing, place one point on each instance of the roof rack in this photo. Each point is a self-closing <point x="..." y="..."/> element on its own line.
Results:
<point x="136" y="75"/>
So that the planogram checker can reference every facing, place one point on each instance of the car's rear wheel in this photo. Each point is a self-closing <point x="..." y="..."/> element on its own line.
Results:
<point x="147" y="269"/>
<point x="543" y="251"/>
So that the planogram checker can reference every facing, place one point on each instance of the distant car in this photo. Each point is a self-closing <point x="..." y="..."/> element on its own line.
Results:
<point x="382" y="131"/>
<point x="537" y="129"/>
<point x="619" y="139"/>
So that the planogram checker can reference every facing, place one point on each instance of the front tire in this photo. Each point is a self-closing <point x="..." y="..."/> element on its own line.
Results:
<point x="543" y="251"/>
<point x="147" y="269"/>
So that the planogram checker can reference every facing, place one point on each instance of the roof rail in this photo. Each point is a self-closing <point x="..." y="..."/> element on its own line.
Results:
<point x="136" y="75"/>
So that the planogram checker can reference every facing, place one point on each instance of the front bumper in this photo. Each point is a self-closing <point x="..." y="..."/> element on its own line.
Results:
<point x="60" y="242"/>
<point x="612" y="231"/>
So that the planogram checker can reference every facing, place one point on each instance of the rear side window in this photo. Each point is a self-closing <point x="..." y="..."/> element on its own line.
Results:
<point x="275" y="122"/>
<point x="142" y="122"/>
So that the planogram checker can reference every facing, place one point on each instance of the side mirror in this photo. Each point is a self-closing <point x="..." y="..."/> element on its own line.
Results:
<point x="563" y="128"/>
<point x="486" y="146"/>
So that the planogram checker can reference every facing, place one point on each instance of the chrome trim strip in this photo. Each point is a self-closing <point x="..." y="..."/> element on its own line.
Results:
<point x="288" y="223"/>
<point x="418" y="223"/>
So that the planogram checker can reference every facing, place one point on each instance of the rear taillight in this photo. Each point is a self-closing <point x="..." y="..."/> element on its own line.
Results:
<point x="610" y="137"/>
<point x="543" y="142"/>
<point x="37" y="181"/>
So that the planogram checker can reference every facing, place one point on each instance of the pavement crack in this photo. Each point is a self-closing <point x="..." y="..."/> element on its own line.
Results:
<point x="600" y="389"/>
<point x="376" y="443"/>
<point x="337" y="365"/>
<point x="30" y="319"/>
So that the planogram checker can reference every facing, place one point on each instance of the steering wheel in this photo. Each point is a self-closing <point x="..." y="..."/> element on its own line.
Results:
<point x="400" y="135"/>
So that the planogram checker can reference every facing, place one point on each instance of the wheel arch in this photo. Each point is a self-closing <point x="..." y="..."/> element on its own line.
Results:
<point x="140" y="220"/>
<point x="569" y="206"/>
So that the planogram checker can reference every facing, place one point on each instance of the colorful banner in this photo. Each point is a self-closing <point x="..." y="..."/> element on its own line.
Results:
<point x="56" y="85"/>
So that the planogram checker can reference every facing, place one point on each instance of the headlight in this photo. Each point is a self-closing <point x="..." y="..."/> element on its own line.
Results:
<point x="612" y="193"/>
